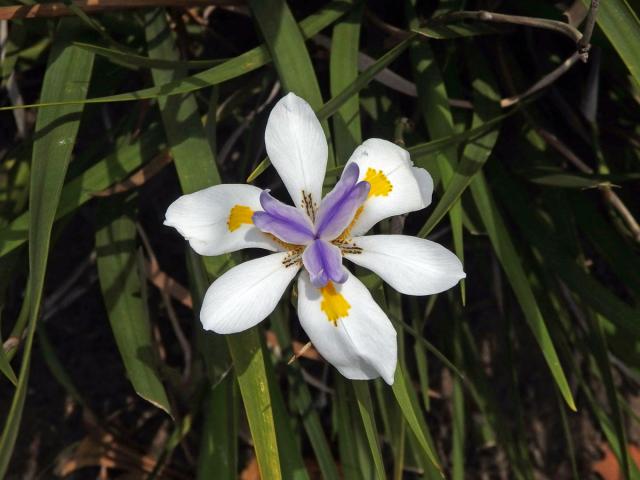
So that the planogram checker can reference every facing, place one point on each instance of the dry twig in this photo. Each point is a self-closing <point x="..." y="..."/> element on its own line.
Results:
<point x="608" y="194"/>
<point x="40" y="10"/>
<point x="166" y="299"/>
<point x="482" y="15"/>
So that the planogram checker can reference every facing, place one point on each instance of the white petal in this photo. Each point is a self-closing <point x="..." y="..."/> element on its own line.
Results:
<point x="361" y="345"/>
<point x="245" y="295"/>
<point x="411" y="187"/>
<point x="297" y="148"/>
<point x="411" y="265"/>
<point x="202" y="218"/>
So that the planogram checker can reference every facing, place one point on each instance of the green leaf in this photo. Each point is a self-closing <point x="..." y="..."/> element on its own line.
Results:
<point x="291" y="461"/>
<point x="218" y="453"/>
<point x="343" y="70"/>
<point x="217" y="456"/>
<point x="498" y="425"/>
<point x="447" y="32"/>
<point x="332" y="106"/>
<point x="423" y="150"/>
<point x="67" y="76"/>
<point x="197" y="169"/>
<point x="620" y="24"/>
<point x="478" y="150"/>
<point x="249" y="365"/>
<point x="591" y="291"/>
<point x="121" y="286"/>
<point x="508" y="257"/>
<point x="619" y="254"/>
<point x="434" y="104"/>
<point x="610" y="433"/>
<point x="363" y="397"/>
<point x="188" y="143"/>
<point x="347" y="431"/>
<point x="237" y="66"/>
<point x="289" y="54"/>
<point x="408" y="403"/>
<point x="139" y="61"/>
<point x="568" y="436"/>
<point x="418" y="321"/>
<point x="459" y="430"/>
<point x="601" y="359"/>
<point x="6" y="369"/>
<point x="57" y="369"/>
<point x="302" y="399"/>
<point x="113" y="168"/>
<point x="554" y="177"/>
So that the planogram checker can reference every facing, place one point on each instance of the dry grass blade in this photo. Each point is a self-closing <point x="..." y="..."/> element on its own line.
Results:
<point x="167" y="284"/>
<point x="102" y="449"/>
<point x="299" y="349"/>
<point x="152" y="269"/>
<point x="140" y="177"/>
<point x="307" y="346"/>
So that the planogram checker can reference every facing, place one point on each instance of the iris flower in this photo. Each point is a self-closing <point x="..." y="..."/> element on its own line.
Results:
<point x="336" y="310"/>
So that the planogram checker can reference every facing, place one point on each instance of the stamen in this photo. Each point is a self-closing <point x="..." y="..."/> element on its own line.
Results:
<point x="380" y="184"/>
<point x="333" y="304"/>
<point x="291" y="247"/>
<point x="294" y="258"/>
<point x="350" y="248"/>
<point x="238" y="215"/>
<point x="308" y="206"/>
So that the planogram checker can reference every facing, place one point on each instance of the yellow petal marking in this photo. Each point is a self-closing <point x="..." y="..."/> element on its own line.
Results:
<point x="238" y="215"/>
<point x="333" y="304"/>
<point x="380" y="184"/>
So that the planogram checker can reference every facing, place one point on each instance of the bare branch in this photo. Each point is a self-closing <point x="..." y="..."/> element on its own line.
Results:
<point x="484" y="16"/>
<point x="96" y="6"/>
<point x="545" y="81"/>
<point x="584" y="44"/>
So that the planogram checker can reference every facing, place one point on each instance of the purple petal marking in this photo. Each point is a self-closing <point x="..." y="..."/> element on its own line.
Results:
<point x="323" y="261"/>
<point x="287" y="223"/>
<point x="340" y="205"/>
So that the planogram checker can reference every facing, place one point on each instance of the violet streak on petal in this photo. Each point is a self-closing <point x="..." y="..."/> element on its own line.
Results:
<point x="287" y="223"/>
<point x="340" y="205"/>
<point x="323" y="261"/>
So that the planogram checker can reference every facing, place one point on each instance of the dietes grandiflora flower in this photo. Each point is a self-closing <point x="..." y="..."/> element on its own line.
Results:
<point x="336" y="310"/>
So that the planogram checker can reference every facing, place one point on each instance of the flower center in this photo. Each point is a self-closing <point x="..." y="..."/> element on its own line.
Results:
<point x="319" y="238"/>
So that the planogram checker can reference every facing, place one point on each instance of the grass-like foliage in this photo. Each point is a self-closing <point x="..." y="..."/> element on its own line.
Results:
<point x="525" y="114"/>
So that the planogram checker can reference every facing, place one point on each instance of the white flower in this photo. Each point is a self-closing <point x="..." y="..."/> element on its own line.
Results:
<point x="336" y="310"/>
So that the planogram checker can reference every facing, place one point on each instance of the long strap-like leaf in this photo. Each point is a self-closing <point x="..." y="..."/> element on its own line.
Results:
<point x="67" y="77"/>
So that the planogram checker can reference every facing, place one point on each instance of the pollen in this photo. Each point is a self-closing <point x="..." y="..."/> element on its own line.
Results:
<point x="333" y="304"/>
<point x="238" y="215"/>
<point x="380" y="184"/>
